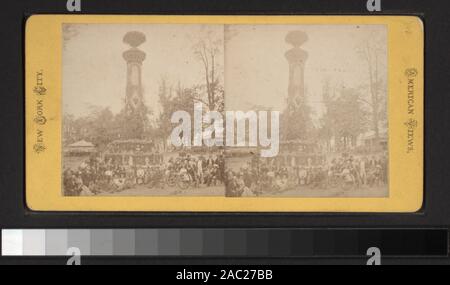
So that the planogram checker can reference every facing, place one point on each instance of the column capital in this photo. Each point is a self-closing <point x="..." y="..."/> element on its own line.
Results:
<point x="134" y="55"/>
<point x="296" y="55"/>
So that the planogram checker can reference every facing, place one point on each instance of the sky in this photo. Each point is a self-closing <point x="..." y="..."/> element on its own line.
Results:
<point x="255" y="69"/>
<point x="94" y="72"/>
<point x="258" y="73"/>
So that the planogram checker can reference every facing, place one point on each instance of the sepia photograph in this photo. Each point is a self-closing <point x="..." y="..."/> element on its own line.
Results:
<point x="329" y="85"/>
<point x="121" y="85"/>
<point x="225" y="110"/>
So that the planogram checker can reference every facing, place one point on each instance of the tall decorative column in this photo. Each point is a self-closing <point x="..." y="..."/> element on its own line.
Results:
<point x="134" y="58"/>
<point x="296" y="58"/>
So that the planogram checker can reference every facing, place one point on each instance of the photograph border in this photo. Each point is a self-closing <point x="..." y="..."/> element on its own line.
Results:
<point x="43" y="168"/>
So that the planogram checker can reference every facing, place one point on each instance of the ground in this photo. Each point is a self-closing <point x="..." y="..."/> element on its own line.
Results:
<point x="300" y="191"/>
<point x="140" y="190"/>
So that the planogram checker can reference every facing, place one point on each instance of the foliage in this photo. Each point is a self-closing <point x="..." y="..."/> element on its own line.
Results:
<point x="345" y="118"/>
<point x="97" y="127"/>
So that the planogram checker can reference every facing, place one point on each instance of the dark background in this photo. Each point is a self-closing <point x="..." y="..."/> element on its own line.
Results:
<point x="14" y="213"/>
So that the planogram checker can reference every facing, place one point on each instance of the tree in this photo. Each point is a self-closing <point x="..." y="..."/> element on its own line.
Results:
<point x="345" y="118"/>
<point x="171" y="100"/>
<point x="132" y="125"/>
<point x="97" y="127"/>
<point x="102" y="127"/>
<point x="207" y="51"/>
<point x="68" y="131"/>
<point x="326" y="131"/>
<point x="371" y="52"/>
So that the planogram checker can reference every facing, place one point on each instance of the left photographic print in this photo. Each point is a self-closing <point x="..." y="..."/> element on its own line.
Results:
<point x="120" y="86"/>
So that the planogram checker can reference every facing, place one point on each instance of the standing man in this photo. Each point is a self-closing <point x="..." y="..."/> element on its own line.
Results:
<point x="200" y="170"/>
<point x="362" y="170"/>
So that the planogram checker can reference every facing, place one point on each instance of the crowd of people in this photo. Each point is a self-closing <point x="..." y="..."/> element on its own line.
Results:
<point x="259" y="177"/>
<point x="94" y="175"/>
<point x="202" y="171"/>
